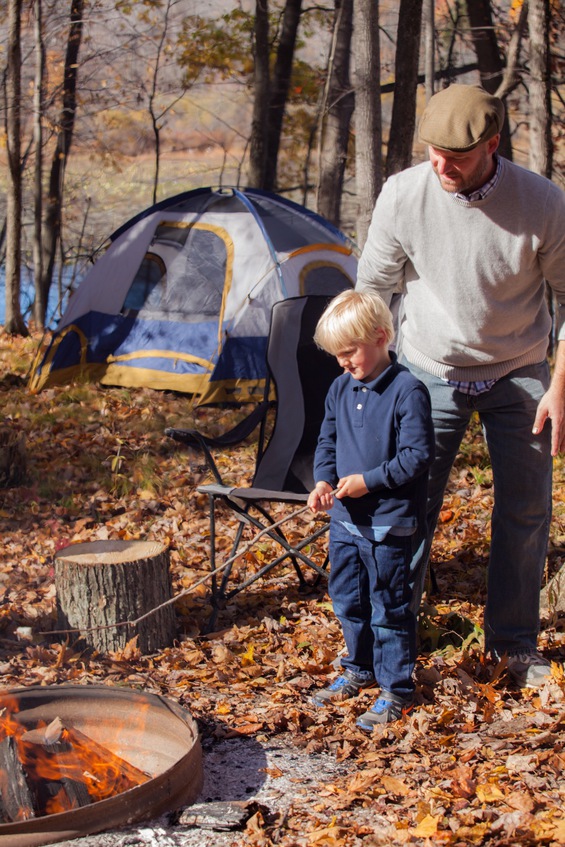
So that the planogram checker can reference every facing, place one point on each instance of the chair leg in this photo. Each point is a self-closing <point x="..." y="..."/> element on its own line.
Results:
<point x="319" y="575"/>
<point x="219" y="592"/>
<point x="228" y="568"/>
<point x="434" y="587"/>
<point x="292" y="552"/>
<point x="284" y="542"/>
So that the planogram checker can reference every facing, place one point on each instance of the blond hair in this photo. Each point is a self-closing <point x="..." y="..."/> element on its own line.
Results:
<point x="353" y="316"/>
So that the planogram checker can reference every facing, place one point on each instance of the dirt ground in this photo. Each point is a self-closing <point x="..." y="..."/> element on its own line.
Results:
<point x="270" y="777"/>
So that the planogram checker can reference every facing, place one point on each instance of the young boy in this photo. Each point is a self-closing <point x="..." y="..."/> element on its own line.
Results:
<point x="371" y="466"/>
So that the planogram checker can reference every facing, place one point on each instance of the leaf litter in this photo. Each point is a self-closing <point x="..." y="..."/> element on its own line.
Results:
<point x="477" y="762"/>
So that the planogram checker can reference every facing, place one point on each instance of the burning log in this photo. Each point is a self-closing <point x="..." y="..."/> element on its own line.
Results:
<point x="49" y="766"/>
<point x="77" y="771"/>
<point x="151" y="732"/>
<point x="16" y="800"/>
<point x="102" y="583"/>
<point x="55" y="769"/>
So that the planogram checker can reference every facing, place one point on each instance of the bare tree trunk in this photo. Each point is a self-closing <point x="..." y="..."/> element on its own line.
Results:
<point x="403" y="121"/>
<point x="491" y="66"/>
<point x="280" y="88"/>
<point x="368" y="122"/>
<point x="541" y="144"/>
<point x="541" y="147"/>
<point x="335" y="120"/>
<point x="155" y="113"/>
<point x="14" y="322"/>
<point x="53" y="212"/>
<point x="39" y="305"/>
<point x="511" y="76"/>
<point x="428" y="12"/>
<point x="259" y="121"/>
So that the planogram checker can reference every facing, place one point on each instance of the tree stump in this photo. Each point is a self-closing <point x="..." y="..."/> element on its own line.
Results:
<point x="100" y="583"/>
<point x="552" y="596"/>
<point x="13" y="462"/>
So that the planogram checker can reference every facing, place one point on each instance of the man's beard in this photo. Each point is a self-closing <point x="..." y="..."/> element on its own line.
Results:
<point x="460" y="184"/>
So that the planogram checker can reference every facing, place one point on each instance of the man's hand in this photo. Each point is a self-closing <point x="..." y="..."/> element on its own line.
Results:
<point x="321" y="498"/>
<point x="552" y="405"/>
<point x="351" y="486"/>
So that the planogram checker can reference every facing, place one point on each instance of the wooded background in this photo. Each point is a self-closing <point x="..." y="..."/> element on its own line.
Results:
<point x="110" y="105"/>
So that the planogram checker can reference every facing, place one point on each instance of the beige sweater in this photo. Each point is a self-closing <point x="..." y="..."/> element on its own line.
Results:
<point x="472" y="274"/>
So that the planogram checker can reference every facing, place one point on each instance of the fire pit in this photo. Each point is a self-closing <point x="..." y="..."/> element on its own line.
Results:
<point x="149" y="733"/>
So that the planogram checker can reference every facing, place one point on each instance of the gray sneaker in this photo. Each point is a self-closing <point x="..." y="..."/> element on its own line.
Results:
<point x="348" y="684"/>
<point x="388" y="708"/>
<point x="529" y="669"/>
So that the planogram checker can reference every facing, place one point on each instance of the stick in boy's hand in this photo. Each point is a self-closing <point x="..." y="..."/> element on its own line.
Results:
<point x="351" y="486"/>
<point x="321" y="498"/>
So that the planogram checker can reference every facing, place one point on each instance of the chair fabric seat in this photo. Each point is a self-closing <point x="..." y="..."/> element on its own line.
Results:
<point x="301" y="374"/>
<point x="252" y="493"/>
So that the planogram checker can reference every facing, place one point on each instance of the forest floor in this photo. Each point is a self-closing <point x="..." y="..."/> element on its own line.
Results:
<point x="477" y="762"/>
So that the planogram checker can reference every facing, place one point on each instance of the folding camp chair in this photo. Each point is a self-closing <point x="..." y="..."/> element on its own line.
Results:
<point x="301" y="374"/>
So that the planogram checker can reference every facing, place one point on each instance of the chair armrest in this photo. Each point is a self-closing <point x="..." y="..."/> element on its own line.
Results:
<point x="194" y="438"/>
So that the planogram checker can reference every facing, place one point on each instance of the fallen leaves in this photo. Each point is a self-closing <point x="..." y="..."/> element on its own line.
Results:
<point x="476" y="762"/>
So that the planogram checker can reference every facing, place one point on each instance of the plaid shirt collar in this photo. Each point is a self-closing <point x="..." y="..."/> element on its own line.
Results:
<point x="484" y="190"/>
<point x="472" y="388"/>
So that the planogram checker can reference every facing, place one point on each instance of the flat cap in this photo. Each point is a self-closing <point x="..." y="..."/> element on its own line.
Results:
<point x="460" y="117"/>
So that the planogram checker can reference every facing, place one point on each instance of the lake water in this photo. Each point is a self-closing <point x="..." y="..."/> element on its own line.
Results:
<point x="55" y="305"/>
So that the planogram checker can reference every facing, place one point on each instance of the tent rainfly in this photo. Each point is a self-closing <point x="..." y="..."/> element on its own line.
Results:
<point x="181" y="299"/>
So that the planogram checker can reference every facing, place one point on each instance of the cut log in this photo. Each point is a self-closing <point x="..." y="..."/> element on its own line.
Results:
<point x="58" y="793"/>
<point x="552" y="597"/>
<point x="17" y="802"/>
<point x="112" y="774"/>
<point x="101" y="583"/>
<point x="69" y="770"/>
<point x="220" y="815"/>
<point x="13" y="460"/>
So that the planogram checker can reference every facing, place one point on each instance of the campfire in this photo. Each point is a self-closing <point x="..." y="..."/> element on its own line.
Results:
<point x="53" y="768"/>
<point x="79" y="759"/>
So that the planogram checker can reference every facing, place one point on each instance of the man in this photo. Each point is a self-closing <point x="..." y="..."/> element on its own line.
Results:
<point x="469" y="239"/>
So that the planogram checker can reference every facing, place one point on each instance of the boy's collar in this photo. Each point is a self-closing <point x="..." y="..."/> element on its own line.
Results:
<point x="383" y="377"/>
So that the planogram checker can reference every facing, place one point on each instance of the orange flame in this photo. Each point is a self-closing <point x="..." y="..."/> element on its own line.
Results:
<point x="53" y="760"/>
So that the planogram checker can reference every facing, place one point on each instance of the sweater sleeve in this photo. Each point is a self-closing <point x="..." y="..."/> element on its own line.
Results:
<point x="551" y="251"/>
<point x="381" y="265"/>
<point x="325" y="455"/>
<point x="415" y="443"/>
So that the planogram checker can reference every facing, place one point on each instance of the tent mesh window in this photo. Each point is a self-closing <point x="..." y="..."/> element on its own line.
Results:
<point x="180" y="254"/>
<point x="318" y="278"/>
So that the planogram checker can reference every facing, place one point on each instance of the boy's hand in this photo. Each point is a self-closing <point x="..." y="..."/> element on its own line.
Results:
<point x="321" y="498"/>
<point x="351" y="486"/>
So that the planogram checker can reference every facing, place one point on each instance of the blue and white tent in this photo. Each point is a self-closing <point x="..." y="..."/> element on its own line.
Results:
<point x="181" y="299"/>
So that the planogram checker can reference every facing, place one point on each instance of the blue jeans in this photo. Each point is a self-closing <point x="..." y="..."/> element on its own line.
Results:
<point x="522" y="469"/>
<point x="371" y="589"/>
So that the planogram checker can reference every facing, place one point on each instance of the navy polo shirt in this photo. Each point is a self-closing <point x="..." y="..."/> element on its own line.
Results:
<point x="382" y="429"/>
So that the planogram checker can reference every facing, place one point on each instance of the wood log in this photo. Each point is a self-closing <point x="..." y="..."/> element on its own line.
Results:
<point x="113" y="774"/>
<point x="552" y="596"/>
<point x="54" y="770"/>
<point x="68" y="770"/>
<point x="17" y="802"/>
<point x="13" y="459"/>
<point x="101" y="583"/>
<point x="220" y="815"/>
<point x="59" y="793"/>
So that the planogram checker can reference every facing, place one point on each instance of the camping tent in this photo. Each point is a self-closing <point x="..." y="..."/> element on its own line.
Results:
<point x="182" y="297"/>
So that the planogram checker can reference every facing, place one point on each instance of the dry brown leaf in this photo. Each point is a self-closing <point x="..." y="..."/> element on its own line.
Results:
<point x="462" y="782"/>
<point x="394" y="786"/>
